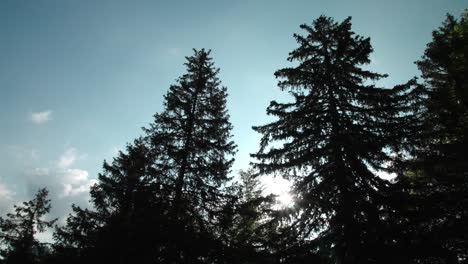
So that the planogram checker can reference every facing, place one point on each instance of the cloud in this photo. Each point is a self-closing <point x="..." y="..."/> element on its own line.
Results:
<point x="67" y="182"/>
<point x="6" y="197"/>
<point x="76" y="182"/>
<point x="41" y="117"/>
<point x="67" y="158"/>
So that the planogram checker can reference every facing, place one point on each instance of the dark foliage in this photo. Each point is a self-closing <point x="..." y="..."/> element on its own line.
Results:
<point x="17" y="231"/>
<point x="435" y="187"/>
<point x="193" y="156"/>
<point x="338" y="130"/>
<point x="249" y="222"/>
<point x="163" y="199"/>
<point x="168" y="198"/>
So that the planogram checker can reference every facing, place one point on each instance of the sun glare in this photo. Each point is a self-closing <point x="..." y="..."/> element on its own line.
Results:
<point x="279" y="187"/>
<point x="285" y="200"/>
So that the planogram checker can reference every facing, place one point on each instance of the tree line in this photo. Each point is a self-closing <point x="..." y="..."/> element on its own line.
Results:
<point x="169" y="197"/>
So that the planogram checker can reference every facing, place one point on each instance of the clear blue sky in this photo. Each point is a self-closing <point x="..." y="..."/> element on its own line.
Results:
<point x="79" y="78"/>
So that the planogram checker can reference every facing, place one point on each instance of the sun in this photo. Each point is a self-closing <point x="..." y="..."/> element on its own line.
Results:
<point x="281" y="188"/>
<point x="285" y="199"/>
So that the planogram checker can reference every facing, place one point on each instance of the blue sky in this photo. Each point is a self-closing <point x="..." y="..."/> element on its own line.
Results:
<point x="78" y="79"/>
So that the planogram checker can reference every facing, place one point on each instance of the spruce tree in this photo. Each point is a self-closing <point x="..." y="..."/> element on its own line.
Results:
<point x="125" y="216"/>
<point x="18" y="230"/>
<point x="444" y="68"/>
<point x="193" y="134"/>
<point x="162" y="201"/>
<point x="435" y="210"/>
<point x="248" y="222"/>
<point x="330" y="140"/>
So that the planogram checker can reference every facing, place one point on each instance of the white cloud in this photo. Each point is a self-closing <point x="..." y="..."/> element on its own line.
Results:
<point x="41" y="117"/>
<point x="66" y="182"/>
<point x="6" y="197"/>
<point x="67" y="158"/>
<point x="61" y="182"/>
<point x="73" y="181"/>
<point x="76" y="182"/>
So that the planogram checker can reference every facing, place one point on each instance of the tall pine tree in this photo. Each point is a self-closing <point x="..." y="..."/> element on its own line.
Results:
<point x="162" y="201"/>
<point x="330" y="141"/>
<point x="193" y="133"/>
<point x="436" y="185"/>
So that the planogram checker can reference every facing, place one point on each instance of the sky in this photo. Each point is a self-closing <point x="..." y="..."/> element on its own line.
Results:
<point x="79" y="78"/>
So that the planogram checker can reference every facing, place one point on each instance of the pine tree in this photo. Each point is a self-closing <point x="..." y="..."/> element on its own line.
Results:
<point x="125" y="225"/>
<point x="17" y="231"/>
<point x="193" y="133"/>
<point x="436" y="204"/>
<point x="76" y="241"/>
<point x="162" y="201"/>
<point x="248" y="222"/>
<point x="330" y="141"/>
<point x="444" y="68"/>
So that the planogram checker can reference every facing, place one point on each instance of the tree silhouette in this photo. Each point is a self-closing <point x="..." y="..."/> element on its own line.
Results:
<point x="444" y="69"/>
<point x="193" y="133"/>
<point x="435" y="187"/>
<point x="18" y="230"/>
<point x="168" y="198"/>
<point x="126" y="214"/>
<point x="330" y="141"/>
<point x="249" y="222"/>
<point x="163" y="200"/>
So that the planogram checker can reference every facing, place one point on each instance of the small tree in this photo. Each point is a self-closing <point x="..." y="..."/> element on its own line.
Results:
<point x="248" y="222"/>
<point x="125" y="215"/>
<point x="17" y="231"/>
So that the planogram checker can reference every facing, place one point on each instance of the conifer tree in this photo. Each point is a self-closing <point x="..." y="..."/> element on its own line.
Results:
<point x="163" y="200"/>
<point x="193" y="133"/>
<point x="444" y="70"/>
<point x="330" y="141"/>
<point x="249" y="225"/>
<point x="436" y="184"/>
<point x="123" y="220"/>
<point x="18" y="230"/>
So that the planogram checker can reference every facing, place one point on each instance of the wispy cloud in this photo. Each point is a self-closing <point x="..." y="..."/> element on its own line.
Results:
<point x="6" y="197"/>
<point x="67" y="182"/>
<point x="76" y="182"/>
<point x="67" y="158"/>
<point x="41" y="117"/>
<point x="73" y="181"/>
